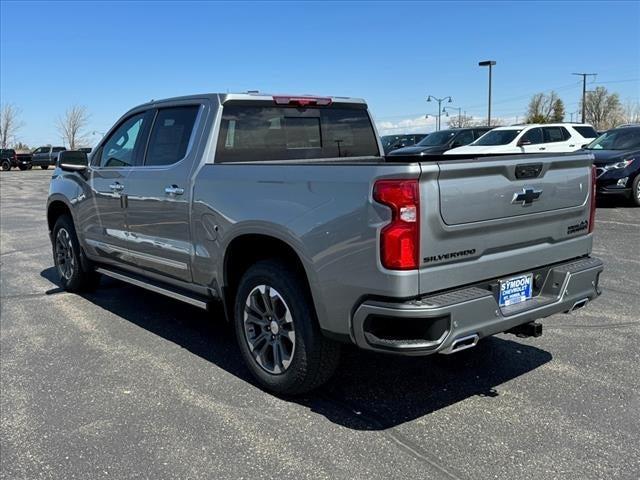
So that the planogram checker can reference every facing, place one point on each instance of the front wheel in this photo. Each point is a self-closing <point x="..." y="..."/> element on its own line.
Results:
<point x="66" y="256"/>
<point x="21" y="167"/>
<point x="6" y="166"/>
<point x="635" y="191"/>
<point x="278" y="332"/>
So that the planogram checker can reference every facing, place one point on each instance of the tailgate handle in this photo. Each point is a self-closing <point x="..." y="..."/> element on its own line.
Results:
<point x="530" y="170"/>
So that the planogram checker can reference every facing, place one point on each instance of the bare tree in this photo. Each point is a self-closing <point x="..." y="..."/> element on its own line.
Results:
<point x="495" y="122"/>
<point x="545" y="108"/>
<point x="631" y="112"/>
<point x="602" y="109"/>
<point x="72" y="125"/>
<point x="460" y="121"/>
<point x="9" y="124"/>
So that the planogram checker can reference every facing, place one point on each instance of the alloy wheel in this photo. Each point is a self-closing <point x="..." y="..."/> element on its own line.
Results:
<point x="269" y="330"/>
<point x="64" y="254"/>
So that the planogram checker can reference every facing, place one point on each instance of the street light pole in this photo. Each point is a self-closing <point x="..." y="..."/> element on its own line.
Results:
<point x="439" y="100"/>
<point x="459" y="114"/>
<point x="490" y="64"/>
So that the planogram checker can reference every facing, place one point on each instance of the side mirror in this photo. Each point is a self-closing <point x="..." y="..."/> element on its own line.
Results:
<point x="73" y="161"/>
<point x="524" y="143"/>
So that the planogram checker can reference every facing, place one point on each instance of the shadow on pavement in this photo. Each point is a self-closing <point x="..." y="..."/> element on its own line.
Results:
<point x="368" y="392"/>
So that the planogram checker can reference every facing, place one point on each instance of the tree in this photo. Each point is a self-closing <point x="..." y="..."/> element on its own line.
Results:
<point x="631" y="112"/>
<point x="495" y="122"/>
<point x="460" y="121"/>
<point x="602" y="109"/>
<point x="545" y="108"/>
<point x="72" y="125"/>
<point x="9" y="124"/>
<point x="21" y="146"/>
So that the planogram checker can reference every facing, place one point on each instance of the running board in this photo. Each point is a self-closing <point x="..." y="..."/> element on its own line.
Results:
<point x="154" y="287"/>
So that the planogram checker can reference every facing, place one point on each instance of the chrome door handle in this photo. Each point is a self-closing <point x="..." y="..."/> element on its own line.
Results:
<point x="542" y="148"/>
<point x="116" y="187"/>
<point x="173" y="190"/>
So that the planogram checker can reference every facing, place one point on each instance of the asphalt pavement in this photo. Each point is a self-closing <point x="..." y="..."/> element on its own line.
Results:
<point x="125" y="383"/>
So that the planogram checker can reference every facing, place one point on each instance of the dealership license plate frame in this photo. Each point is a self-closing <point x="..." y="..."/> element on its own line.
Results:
<point x="518" y="293"/>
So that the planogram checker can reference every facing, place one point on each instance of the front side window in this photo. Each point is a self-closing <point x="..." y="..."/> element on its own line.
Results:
<point x="533" y="136"/>
<point x="124" y="145"/>
<point x="170" y="135"/>
<point x="552" y="134"/>
<point x="498" y="137"/>
<point x="265" y="133"/>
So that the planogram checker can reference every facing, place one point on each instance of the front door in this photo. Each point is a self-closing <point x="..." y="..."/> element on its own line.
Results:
<point x="104" y="219"/>
<point x="159" y="195"/>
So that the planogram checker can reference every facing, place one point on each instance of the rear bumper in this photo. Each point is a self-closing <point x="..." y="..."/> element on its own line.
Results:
<point x="435" y="322"/>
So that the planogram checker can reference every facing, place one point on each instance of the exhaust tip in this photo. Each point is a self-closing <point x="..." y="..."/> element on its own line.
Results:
<point x="462" y="343"/>
<point x="578" y="304"/>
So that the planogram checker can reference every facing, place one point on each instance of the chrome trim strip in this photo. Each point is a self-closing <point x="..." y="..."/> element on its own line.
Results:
<point x="153" y="288"/>
<point x="143" y="256"/>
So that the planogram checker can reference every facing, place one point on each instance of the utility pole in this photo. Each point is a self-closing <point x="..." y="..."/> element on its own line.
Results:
<point x="439" y="100"/>
<point x="490" y="64"/>
<point x="584" y="88"/>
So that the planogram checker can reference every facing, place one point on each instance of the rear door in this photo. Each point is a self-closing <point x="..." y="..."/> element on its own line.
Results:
<point x="494" y="216"/>
<point x="558" y="139"/>
<point x="159" y="194"/>
<point x="532" y="141"/>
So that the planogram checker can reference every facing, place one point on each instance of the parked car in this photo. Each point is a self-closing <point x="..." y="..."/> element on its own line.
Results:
<point x="393" y="142"/>
<point x="617" y="162"/>
<point x="439" y="142"/>
<point x="8" y="158"/>
<point x="531" y="138"/>
<point x="44" y="157"/>
<point x="24" y="160"/>
<point x="310" y="236"/>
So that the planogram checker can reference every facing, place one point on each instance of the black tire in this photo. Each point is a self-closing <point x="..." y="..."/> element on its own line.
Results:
<point x="314" y="357"/>
<point x="66" y="257"/>
<point x="44" y="167"/>
<point x="29" y="167"/>
<point x="6" y="165"/>
<point x="635" y="191"/>
<point x="23" y="168"/>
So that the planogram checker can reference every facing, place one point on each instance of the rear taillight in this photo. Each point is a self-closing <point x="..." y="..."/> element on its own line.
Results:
<point x="592" y="191"/>
<point x="400" y="239"/>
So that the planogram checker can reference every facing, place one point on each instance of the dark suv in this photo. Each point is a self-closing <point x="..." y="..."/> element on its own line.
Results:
<point x="8" y="158"/>
<point x="617" y="162"/>
<point x="439" y="142"/>
<point x="393" y="142"/>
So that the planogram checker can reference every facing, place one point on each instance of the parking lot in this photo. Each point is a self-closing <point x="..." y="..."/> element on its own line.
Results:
<point x="124" y="383"/>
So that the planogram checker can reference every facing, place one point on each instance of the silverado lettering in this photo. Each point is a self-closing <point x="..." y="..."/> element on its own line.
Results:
<point x="450" y="255"/>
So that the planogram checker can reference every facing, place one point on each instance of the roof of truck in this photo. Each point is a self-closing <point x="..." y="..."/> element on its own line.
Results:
<point x="254" y="95"/>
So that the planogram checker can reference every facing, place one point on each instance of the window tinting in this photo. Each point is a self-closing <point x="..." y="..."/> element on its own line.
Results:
<point x="498" y="137"/>
<point x="463" y="138"/>
<point x="58" y="149"/>
<point x="170" y="135"/>
<point x="586" y="132"/>
<point x="534" y="136"/>
<point x="552" y="134"/>
<point x="249" y="133"/>
<point x="124" y="145"/>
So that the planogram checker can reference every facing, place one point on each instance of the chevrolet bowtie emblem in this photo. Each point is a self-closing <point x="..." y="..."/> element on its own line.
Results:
<point x="526" y="196"/>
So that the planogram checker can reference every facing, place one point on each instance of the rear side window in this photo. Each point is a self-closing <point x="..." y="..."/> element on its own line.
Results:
<point x="534" y="136"/>
<point x="552" y="134"/>
<point x="256" y="133"/>
<point x="586" y="132"/>
<point x="58" y="149"/>
<point x="170" y="135"/>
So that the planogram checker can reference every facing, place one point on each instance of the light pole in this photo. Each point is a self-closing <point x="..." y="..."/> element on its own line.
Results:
<point x="490" y="64"/>
<point x="439" y="100"/>
<point x="459" y="113"/>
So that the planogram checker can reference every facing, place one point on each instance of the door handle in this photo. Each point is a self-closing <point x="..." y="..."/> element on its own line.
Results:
<point x="116" y="187"/>
<point x="173" y="190"/>
<point x="542" y="148"/>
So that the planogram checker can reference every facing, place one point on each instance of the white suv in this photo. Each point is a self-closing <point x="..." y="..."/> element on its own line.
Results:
<point x="531" y="138"/>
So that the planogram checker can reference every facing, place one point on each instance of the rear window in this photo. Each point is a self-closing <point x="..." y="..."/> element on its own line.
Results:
<point x="58" y="149"/>
<point x="586" y="132"/>
<point x="256" y="133"/>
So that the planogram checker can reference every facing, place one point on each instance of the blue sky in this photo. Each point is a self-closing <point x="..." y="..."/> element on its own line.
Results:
<point x="111" y="56"/>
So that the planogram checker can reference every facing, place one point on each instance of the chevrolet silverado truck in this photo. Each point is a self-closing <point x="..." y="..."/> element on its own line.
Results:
<point x="285" y="210"/>
<point x="44" y="157"/>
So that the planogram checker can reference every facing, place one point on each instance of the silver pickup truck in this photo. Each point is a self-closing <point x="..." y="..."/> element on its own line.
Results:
<point x="285" y="210"/>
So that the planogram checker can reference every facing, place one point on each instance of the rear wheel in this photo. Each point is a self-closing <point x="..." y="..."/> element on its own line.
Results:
<point x="278" y="332"/>
<point x="635" y="191"/>
<point x="6" y="165"/>
<point x="66" y="256"/>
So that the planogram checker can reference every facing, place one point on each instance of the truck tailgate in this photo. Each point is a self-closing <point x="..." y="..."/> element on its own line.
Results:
<point x="490" y="217"/>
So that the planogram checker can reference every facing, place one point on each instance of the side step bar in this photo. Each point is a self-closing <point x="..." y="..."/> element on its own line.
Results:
<point x="154" y="287"/>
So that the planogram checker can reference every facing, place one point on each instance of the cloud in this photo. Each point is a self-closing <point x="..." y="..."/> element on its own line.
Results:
<point x="407" y="125"/>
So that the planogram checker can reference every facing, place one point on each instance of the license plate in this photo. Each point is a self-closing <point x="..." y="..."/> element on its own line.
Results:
<point x="515" y="289"/>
